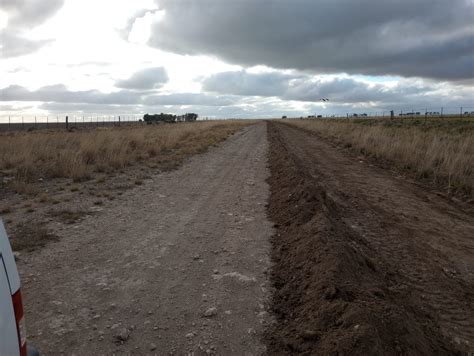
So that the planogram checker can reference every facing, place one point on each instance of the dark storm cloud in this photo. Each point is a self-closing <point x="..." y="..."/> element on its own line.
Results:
<point x="244" y="83"/>
<point x="145" y="79"/>
<point x="24" y="15"/>
<point x="338" y="90"/>
<point x="341" y="90"/>
<point x="292" y="87"/>
<point x="424" y="38"/>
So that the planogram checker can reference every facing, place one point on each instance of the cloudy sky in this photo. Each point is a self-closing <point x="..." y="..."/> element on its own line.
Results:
<point x="235" y="58"/>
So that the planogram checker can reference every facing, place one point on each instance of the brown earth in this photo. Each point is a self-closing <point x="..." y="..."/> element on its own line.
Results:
<point x="364" y="262"/>
<point x="177" y="265"/>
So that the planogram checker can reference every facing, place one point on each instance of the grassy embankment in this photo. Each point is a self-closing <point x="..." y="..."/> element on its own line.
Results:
<point x="80" y="154"/>
<point x="439" y="150"/>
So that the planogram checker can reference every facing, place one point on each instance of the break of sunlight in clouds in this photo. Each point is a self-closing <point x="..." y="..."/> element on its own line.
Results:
<point x="234" y="58"/>
<point x="3" y="20"/>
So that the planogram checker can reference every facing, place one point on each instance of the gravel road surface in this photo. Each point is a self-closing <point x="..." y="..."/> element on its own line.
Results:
<point x="175" y="266"/>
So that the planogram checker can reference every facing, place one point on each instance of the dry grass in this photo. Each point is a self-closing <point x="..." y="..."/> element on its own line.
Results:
<point x="442" y="151"/>
<point x="30" y="236"/>
<point x="68" y="216"/>
<point x="5" y="211"/>
<point x="24" y="187"/>
<point x="82" y="154"/>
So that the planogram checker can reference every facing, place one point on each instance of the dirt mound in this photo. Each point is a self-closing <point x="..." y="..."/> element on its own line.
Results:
<point x="332" y="294"/>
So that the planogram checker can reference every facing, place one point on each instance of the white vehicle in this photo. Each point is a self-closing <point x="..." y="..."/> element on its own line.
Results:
<point x="12" y="321"/>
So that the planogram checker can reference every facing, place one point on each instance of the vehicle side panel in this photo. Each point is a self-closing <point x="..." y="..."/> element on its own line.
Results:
<point x="8" y="333"/>
<point x="9" y="260"/>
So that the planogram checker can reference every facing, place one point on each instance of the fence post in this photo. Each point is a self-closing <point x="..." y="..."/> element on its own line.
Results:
<point x="441" y="112"/>
<point x="67" y="122"/>
<point x="461" y="112"/>
<point x="9" y="122"/>
<point x="119" y="120"/>
<point x="35" y="122"/>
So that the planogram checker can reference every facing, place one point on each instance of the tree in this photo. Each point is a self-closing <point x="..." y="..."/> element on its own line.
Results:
<point x="188" y="117"/>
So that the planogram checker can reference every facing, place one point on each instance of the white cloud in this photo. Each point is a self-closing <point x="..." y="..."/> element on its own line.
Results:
<point x="3" y="19"/>
<point x="17" y="18"/>
<point x="220" y="57"/>
<point x="145" y="79"/>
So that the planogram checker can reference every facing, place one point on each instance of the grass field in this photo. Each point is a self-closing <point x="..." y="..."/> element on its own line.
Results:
<point x="80" y="154"/>
<point x="439" y="150"/>
<point x="59" y="175"/>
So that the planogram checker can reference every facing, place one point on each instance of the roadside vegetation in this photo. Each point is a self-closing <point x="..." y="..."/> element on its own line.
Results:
<point x="438" y="150"/>
<point x="81" y="154"/>
<point x="64" y="176"/>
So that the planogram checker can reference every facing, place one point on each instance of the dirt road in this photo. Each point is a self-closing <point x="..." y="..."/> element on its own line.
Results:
<point x="365" y="262"/>
<point x="176" y="266"/>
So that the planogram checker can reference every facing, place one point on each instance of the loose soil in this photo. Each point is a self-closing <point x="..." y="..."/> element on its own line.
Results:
<point x="364" y="263"/>
<point x="176" y="265"/>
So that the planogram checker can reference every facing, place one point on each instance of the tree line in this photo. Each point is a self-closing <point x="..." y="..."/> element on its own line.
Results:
<point x="169" y="118"/>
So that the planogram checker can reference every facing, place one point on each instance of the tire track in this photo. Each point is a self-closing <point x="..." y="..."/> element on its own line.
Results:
<point x="424" y="277"/>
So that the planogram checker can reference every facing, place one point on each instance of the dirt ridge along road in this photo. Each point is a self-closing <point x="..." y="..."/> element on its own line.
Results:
<point x="176" y="266"/>
<point x="364" y="263"/>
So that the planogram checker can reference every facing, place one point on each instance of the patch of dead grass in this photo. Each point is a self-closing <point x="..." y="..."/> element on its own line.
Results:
<point x="5" y="211"/>
<point x="30" y="236"/>
<point x="23" y="187"/>
<point x="68" y="216"/>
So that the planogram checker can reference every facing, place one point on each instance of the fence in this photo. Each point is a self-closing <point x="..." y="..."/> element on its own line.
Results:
<point x="29" y="122"/>
<point x="440" y="112"/>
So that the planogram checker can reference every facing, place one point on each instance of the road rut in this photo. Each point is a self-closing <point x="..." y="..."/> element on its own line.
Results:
<point x="365" y="263"/>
